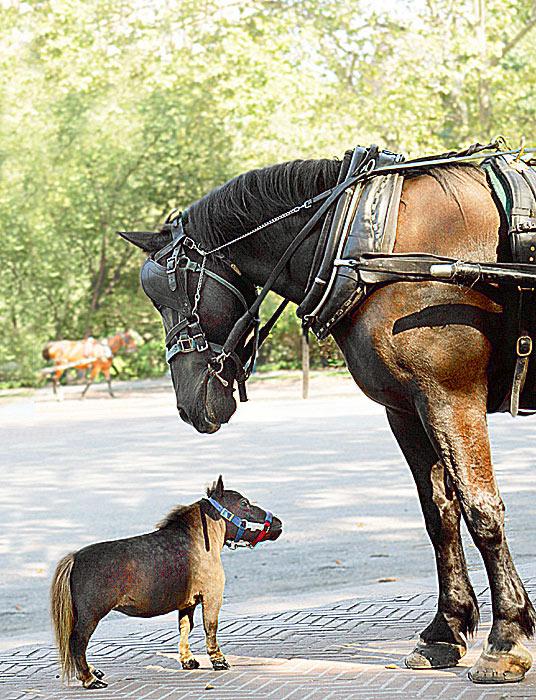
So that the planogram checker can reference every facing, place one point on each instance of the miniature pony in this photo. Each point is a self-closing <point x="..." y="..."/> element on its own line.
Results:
<point x="173" y="568"/>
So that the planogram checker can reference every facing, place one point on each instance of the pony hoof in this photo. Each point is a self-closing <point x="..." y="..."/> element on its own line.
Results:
<point x="221" y="665"/>
<point x="190" y="665"/>
<point x="96" y="672"/>
<point x="427" y="655"/>
<point x="496" y="667"/>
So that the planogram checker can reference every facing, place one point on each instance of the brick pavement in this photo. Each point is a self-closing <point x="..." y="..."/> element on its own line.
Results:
<point x="352" y="649"/>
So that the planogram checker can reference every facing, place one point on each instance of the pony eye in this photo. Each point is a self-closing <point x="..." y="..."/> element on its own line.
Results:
<point x="244" y="503"/>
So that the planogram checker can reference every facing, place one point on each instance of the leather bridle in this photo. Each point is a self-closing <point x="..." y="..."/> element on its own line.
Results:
<point x="186" y="335"/>
<point x="243" y="525"/>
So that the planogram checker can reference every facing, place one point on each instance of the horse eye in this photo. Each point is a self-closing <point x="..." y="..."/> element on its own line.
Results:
<point x="244" y="503"/>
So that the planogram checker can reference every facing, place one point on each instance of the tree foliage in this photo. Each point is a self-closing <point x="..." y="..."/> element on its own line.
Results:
<point x="112" y="113"/>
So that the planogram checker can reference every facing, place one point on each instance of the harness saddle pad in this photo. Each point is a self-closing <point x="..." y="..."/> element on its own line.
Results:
<point x="364" y="221"/>
<point x="514" y="183"/>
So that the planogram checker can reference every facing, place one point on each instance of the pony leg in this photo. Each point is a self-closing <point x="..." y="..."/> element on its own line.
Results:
<point x="457" y="425"/>
<point x="211" y="610"/>
<point x="88" y="675"/>
<point x="443" y="643"/>
<point x="186" y="625"/>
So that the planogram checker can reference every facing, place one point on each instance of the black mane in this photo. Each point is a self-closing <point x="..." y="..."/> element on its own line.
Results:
<point x="252" y="198"/>
<point x="174" y="516"/>
<point x="256" y="196"/>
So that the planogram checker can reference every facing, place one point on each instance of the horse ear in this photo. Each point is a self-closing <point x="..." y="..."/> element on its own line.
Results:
<point x="219" y="486"/>
<point x="149" y="241"/>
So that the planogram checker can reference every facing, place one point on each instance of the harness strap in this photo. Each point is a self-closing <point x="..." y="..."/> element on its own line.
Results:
<point x="242" y="525"/>
<point x="267" y="524"/>
<point x="245" y="321"/>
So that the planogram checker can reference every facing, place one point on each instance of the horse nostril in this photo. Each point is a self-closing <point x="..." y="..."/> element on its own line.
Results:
<point x="184" y="415"/>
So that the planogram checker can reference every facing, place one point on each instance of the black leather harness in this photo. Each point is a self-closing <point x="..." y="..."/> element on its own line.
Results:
<point x="167" y="287"/>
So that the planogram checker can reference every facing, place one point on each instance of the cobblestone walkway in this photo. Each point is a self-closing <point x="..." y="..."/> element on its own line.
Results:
<point x="352" y="649"/>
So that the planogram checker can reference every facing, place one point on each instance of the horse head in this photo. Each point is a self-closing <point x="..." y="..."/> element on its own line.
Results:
<point x="131" y="340"/>
<point x="246" y="524"/>
<point x="197" y="317"/>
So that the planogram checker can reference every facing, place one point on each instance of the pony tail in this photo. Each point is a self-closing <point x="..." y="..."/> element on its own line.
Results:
<point x="62" y="612"/>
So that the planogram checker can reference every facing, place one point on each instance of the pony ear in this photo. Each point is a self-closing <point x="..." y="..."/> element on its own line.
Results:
<point x="149" y="241"/>
<point x="219" y="486"/>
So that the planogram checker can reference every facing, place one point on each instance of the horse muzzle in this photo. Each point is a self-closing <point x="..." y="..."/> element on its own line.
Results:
<point x="276" y="529"/>
<point x="200" y="423"/>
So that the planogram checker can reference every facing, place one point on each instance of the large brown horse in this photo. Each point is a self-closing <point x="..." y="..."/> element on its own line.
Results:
<point x="91" y="353"/>
<point x="435" y="355"/>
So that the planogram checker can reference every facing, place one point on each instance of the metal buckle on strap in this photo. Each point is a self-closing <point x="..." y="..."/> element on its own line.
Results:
<point x="170" y="270"/>
<point x="183" y="344"/>
<point x="524" y="346"/>
<point x="200" y="345"/>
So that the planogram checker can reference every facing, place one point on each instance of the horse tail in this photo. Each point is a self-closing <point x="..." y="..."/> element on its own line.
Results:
<point x="62" y="612"/>
<point x="46" y="352"/>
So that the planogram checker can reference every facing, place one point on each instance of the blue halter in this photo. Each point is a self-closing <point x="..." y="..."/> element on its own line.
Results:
<point x="242" y="525"/>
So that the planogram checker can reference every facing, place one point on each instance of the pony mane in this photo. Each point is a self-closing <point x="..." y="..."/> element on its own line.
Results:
<point x="256" y="196"/>
<point x="174" y="516"/>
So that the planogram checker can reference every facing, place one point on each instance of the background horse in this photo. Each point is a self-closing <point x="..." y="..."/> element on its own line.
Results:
<point x="94" y="354"/>
<point x="174" y="568"/>
<point x="435" y="355"/>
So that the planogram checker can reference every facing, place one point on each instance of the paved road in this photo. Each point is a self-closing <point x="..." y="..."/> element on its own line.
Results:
<point x="77" y="472"/>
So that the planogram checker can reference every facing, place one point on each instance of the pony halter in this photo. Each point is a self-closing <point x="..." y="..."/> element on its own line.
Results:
<point x="243" y="525"/>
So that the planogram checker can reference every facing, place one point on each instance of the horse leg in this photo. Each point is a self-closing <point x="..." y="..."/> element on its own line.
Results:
<point x="211" y="610"/>
<point x="56" y="386"/>
<point x="186" y="625"/>
<point x="88" y="675"/>
<point x="443" y="643"/>
<point x="109" y="381"/>
<point x="92" y="375"/>
<point x="457" y="426"/>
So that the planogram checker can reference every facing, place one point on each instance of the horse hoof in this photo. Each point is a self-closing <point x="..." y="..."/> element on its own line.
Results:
<point x="221" y="665"/>
<point x="94" y="684"/>
<point x="501" y="666"/>
<point x="190" y="665"/>
<point x="427" y="655"/>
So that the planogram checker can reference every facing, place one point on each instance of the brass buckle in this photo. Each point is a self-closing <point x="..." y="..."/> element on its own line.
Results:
<point x="524" y="346"/>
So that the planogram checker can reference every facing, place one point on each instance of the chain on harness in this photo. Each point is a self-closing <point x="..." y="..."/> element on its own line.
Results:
<point x="193" y="337"/>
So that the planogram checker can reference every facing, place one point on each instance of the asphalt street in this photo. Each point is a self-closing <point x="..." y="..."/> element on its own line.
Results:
<point x="77" y="472"/>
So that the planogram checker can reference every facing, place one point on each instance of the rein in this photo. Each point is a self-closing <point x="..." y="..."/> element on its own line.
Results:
<point x="243" y="525"/>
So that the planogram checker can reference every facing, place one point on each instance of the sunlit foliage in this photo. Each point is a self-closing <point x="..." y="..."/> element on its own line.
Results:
<point x="112" y="113"/>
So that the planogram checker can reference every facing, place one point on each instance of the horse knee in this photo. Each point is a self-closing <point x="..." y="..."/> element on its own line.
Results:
<point x="485" y="518"/>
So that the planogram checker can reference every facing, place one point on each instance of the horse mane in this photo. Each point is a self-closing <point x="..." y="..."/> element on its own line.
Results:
<point x="174" y="516"/>
<point x="255" y="196"/>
